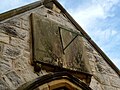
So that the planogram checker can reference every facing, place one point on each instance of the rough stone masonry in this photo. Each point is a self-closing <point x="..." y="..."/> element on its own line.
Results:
<point x="15" y="53"/>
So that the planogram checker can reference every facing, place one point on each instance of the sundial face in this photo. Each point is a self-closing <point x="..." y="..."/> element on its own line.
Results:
<point x="57" y="45"/>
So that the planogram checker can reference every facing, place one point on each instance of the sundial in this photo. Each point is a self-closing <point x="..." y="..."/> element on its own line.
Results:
<point x="56" y="44"/>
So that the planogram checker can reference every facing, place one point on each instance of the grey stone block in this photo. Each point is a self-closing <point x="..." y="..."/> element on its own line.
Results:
<point x="9" y="30"/>
<point x="11" y="51"/>
<point x="4" y="67"/>
<point x="4" y="38"/>
<point x="108" y="88"/>
<point x="3" y="86"/>
<point x="19" y="43"/>
<point x="14" y="79"/>
<point x="13" y="31"/>
<point x="1" y="48"/>
<point x="14" y="22"/>
<point x="25" y="24"/>
<point x="115" y="81"/>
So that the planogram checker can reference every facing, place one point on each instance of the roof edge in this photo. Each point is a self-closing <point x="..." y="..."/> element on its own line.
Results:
<point x="88" y="38"/>
<point x="20" y="10"/>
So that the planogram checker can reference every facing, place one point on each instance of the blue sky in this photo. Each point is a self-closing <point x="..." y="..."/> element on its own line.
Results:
<point x="99" y="18"/>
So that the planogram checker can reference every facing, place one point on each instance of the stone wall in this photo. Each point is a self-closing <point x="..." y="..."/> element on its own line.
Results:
<point x="15" y="53"/>
<point x="15" y="68"/>
<point x="104" y="77"/>
<point x="15" y="47"/>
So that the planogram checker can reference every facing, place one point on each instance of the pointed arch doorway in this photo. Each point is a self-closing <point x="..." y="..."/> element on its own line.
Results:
<point x="55" y="81"/>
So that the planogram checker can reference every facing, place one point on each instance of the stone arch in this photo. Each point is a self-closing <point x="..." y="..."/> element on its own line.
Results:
<point x="55" y="81"/>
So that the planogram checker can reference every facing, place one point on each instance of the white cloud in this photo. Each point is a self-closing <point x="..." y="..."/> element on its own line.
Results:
<point x="104" y="35"/>
<point x="107" y="4"/>
<point x="88" y="15"/>
<point x="91" y="16"/>
<point x="99" y="9"/>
